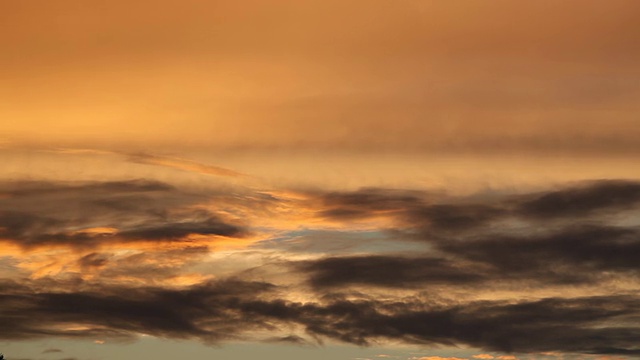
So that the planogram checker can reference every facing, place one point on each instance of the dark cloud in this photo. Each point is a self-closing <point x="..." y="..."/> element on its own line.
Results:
<point x="39" y="213"/>
<point x="577" y="255"/>
<point x="93" y="260"/>
<point x="367" y="202"/>
<point x="573" y="254"/>
<point x="568" y="325"/>
<point x="290" y="339"/>
<point x="554" y="240"/>
<point x="457" y="217"/>
<point x="207" y="311"/>
<point x="426" y="211"/>
<point x="545" y="325"/>
<point x="416" y="208"/>
<point x="559" y="237"/>
<point x="52" y="350"/>
<point x="225" y="310"/>
<point x="388" y="271"/>
<point x="583" y="200"/>
<point x="210" y="225"/>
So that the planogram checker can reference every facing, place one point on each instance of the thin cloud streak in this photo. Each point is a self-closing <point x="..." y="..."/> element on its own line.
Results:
<point x="159" y="160"/>
<point x="182" y="164"/>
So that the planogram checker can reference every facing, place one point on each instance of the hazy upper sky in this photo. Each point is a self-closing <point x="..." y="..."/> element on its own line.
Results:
<point x="415" y="180"/>
<point x="360" y="75"/>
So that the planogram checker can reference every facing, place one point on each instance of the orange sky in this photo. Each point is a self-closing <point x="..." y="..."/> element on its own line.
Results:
<point x="363" y="75"/>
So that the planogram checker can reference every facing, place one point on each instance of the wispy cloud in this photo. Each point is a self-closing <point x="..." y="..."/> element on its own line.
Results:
<point x="157" y="160"/>
<point x="182" y="164"/>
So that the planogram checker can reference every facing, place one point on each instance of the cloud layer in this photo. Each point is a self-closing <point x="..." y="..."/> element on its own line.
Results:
<point x="531" y="272"/>
<point x="226" y="310"/>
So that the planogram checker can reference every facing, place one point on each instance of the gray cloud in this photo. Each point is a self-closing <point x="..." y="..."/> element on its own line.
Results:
<point x="205" y="311"/>
<point x="39" y="213"/>
<point x="225" y="310"/>
<point x="583" y="200"/>
<point x="388" y="271"/>
<point x="577" y="252"/>
<point x="577" y="255"/>
<point x="364" y="202"/>
<point x="433" y="212"/>
<point x="562" y="237"/>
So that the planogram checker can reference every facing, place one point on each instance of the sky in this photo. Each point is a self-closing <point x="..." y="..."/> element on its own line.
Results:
<point x="349" y="180"/>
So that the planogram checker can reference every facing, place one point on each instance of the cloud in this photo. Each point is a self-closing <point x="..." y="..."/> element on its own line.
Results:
<point x="228" y="309"/>
<point x="51" y="350"/>
<point x="564" y="236"/>
<point x="485" y="238"/>
<point x="569" y="256"/>
<point x="367" y="202"/>
<point x="474" y="248"/>
<point x="572" y="254"/>
<point x="171" y="266"/>
<point x="583" y="200"/>
<point x="548" y="324"/>
<point x="388" y="271"/>
<point x="289" y="339"/>
<point x="208" y="225"/>
<point x="438" y="212"/>
<point x="207" y="311"/>
<point x="182" y="164"/>
<point x="86" y="214"/>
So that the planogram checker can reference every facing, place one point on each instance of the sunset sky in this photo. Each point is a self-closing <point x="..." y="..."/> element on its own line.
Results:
<point x="302" y="179"/>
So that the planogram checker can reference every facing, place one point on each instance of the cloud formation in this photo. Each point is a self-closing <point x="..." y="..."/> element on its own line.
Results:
<point x="566" y="236"/>
<point x="87" y="214"/>
<point x="552" y="271"/>
<point x="228" y="309"/>
<point x="439" y="212"/>
<point x="388" y="271"/>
